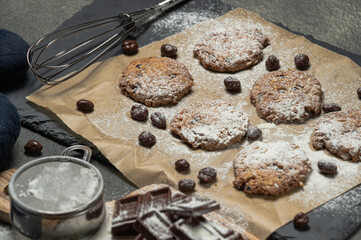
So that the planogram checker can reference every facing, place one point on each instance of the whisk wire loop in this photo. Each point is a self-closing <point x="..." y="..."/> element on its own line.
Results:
<point x="47" y="62"/>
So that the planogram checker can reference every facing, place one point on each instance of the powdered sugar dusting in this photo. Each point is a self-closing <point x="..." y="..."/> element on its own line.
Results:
<point x="115" y="121"/>
<point x="323" y="186"/>
<point x="259" y="154"/>
<point x="340" y="132"/>
<point x="210" y="125"/>
<point x="230" y="51"/>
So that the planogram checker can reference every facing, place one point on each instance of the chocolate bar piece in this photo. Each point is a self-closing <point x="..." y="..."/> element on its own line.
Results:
<point x="192" y="207"/>
<point x="157" y="199"/>
<point x="154" y="225"/>
<point x="202" y="229"/>
<point x="128" y="209"/>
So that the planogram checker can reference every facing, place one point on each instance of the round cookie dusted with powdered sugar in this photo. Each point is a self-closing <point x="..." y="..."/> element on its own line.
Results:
<point x="156" y="81"/>
<point x="340" y="133"/>
<point x="287" y="96"/>
<point x="210" y="125"/>
<point x="231" y="51"/>
<point x="271" y="168"/>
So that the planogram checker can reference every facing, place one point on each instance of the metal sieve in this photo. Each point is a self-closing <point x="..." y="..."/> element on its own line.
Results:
<point x="58" y="197"/>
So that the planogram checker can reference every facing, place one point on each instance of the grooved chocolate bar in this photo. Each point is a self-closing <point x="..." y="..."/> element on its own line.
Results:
<point x="192" y="207"/>
<point x="154" y="226"/>
<point x="201" y="229"/>
<point x="156" y="215"/>
<point x="127" y="209"/>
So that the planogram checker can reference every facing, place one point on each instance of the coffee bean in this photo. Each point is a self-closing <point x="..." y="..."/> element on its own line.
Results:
<point x="326" y="167"/>
<point x="207" y="175"/>
<point x="302" y="61"/>
<point x="182" y="165"/>
<point x="272" y="63"/>
<point x="147" y="139"/>
<point x="33" y="147"/>
<point x="300" y="220"/>
<point x="186" y="185"/>
<point x="85" y="106"/>
<point x="232" y="84"/>
<point x="254" y="133"/>
<point x="331" y="107"/>
<point x="359" y="92"/>
<point x="139" y="112"/>
<point x="130" y="47"/>
<point x="158" y="120"/>
<point x="168" y="50"/>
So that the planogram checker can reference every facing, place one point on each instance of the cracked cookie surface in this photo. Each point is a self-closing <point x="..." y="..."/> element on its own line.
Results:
<point x="287" y="96"/>
<point x="231" y="51"/>
<point x="340" y="133"/>
<point x="210" y="125"/>
<point x="271" y="168"/>
<point x="156" y="81"/>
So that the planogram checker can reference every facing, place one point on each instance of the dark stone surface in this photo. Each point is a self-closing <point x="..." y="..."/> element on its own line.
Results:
<point x="336" y="22"/>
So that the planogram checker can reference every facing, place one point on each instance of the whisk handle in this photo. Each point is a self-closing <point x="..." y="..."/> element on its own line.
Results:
<point x="162" y="6"/>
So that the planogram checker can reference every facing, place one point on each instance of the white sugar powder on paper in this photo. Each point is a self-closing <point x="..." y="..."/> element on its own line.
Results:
<point x="116" y="122"/>
<point x="323" y="186"/>
<point x="178" y="21"/>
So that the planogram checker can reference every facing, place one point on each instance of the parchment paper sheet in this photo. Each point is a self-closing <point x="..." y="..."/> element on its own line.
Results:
<point x="112" y="130"/>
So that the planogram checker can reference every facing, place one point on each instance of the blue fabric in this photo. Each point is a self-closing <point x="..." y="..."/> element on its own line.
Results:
<point x="9" y="127"/>
<point x="13" y="63"/>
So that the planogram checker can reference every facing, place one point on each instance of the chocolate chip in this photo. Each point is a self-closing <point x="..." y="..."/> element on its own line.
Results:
<point x="272" y="63"/>
<point x="359" y="92"/>
<point x="207" y="175"/>
<point x="326" y="167"/>
<point x="33" y="147"/>
<point x="139" y="112"/>
<point x="130" y="47"/>
<point x="168" y="50"/>
<point x="182" y="165"/>
<point x="147" y="139"/>
<point x="302" y="61"/>
<point x="254" y="133"/>
<point x="158" y="120"/>
<point x="232" y="84"/>
<point x="300" y="220"/>
<point x="186" y="185"/>
<point x="331" y="107"/>
<point x="138" y="66"/>
<point x="85" y="106"/>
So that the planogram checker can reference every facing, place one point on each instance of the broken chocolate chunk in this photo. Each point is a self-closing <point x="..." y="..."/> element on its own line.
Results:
<point x="201" y="229"/>
<point x="154" y="225"/>
<point x="192" y="207"/>
<point x="128" y="209"/>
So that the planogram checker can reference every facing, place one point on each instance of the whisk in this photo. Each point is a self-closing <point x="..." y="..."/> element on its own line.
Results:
<point x="76" y="53"/>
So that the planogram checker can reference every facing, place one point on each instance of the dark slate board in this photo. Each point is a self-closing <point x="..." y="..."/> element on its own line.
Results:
<point x="324" y="224"/>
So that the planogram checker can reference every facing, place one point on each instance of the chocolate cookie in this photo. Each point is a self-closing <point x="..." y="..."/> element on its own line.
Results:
<point x="287" y="96"/>
<point x="156" y="81"/>
<point x="340" y="133"/>
<point x="231" y="51"/>
<point x="210" y="125"/>
<point x="261" y="168"/>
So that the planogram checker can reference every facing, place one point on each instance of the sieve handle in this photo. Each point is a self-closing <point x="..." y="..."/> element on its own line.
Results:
<point x="87" y="151"/>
